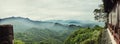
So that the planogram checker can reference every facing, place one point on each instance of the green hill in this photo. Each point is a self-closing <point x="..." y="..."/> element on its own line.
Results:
<point x="41" y="36"/>
<point x="84" y="36"/>
<point x="46" y="36"/>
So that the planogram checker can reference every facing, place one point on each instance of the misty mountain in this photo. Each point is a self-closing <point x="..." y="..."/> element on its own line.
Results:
<point x="21" y="24"/>
<point x="39" y="32"/>
<point x="85" y="23"/>
<point x="44" y="32"/>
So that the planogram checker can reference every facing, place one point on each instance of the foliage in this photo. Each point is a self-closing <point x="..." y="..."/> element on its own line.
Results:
<point x="42" y="36"/>
<point x="18" y="42"/>
<point x="84" y="36"/>
<point x="100" y="15"/>
<point x="47" y="36"/>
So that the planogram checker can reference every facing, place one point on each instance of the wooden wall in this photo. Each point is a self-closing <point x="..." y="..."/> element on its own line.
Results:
<point x="6" y="34"/>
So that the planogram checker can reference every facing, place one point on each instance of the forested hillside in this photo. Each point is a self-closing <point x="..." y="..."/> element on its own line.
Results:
<point x="85" y="36"/>
<point x="46" y="36"/>
<point x="41" y="36"/>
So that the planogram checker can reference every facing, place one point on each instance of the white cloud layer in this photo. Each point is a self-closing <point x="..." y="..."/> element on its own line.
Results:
<point x="49" y="9"/>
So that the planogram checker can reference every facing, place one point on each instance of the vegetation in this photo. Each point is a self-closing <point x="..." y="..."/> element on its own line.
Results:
<point x="88" y="35"/>
<point x="99" y="13"/>
<point x="41" y="36"/>
<point x="18" y="42"/>
<point x="84" y="36"/>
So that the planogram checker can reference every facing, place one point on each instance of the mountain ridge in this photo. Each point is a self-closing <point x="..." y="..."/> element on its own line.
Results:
<point x="21" y="24"/>
<point x="63" y="22"/>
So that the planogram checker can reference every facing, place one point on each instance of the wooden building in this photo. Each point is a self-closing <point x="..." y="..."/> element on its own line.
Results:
<point x="6" y="34"/>
<point x="112" y="8"/>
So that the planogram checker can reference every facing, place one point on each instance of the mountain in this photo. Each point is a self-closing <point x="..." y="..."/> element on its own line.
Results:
<point x="43" y="32"/>
<point x="21" y="24"/>
<point x="30" y="31"/>
<point x="85" y="36"/>
<point x="85" y="23"/>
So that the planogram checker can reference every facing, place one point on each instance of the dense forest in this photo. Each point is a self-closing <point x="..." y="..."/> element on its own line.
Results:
<point x="41" y="36"/>
<point x="85" y="36"/>
<point x="46" y="36"/>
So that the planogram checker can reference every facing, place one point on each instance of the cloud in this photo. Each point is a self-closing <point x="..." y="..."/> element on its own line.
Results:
<point x="49" y="9"/>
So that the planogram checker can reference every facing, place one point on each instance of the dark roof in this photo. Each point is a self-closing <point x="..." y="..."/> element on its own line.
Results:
<point x="109" y="5"/>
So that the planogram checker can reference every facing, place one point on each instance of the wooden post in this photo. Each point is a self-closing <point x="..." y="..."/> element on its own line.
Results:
<point x="6" y="34"/>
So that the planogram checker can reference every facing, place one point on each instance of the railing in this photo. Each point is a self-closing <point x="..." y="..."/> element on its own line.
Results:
<point x="115" y="32"/>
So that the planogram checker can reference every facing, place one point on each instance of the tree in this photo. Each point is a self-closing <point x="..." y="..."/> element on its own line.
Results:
<point x="99" y="13"/>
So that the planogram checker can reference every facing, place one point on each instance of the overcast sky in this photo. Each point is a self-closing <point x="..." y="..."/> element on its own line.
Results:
<point x="49" y="9"/>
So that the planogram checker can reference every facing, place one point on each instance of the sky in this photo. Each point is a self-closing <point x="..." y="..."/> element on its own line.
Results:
<point x="49" y="9"/>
